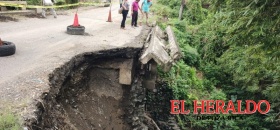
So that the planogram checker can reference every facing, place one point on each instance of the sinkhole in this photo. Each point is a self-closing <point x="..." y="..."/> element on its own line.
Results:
<point x="90" y="92"/>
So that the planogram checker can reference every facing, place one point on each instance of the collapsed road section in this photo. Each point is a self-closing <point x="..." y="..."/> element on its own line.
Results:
<point x="86" y="93"/>
<point x="105" y="89"/>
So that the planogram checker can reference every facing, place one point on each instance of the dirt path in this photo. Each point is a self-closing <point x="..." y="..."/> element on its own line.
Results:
<point x="42" y="45"/>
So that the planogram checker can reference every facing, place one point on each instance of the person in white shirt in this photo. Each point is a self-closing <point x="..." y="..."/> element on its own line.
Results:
<point x="48" y="3"/>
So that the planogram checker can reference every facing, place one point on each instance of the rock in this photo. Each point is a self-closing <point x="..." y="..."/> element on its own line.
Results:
<point x="135" y="118"/>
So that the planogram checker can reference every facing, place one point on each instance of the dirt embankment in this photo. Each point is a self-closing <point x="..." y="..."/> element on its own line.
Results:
<point x="86" y="96"/>
<point x="83" y="96"/>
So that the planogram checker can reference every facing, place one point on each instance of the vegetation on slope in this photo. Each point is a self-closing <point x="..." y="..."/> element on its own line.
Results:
<point x="230" y="49"/>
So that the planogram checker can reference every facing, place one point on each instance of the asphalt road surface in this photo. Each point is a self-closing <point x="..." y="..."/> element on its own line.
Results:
<point x="43" y="45"/>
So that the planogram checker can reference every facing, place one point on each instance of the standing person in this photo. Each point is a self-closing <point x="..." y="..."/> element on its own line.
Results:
<point x="125" y="6"/>
<point x="134" y="13"/>
<point x="146" y="5"/>
<point x="48" y="3"/>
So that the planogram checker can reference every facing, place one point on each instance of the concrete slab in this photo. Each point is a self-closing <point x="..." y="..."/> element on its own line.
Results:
<point x="159" y="32"/>
<point x="175" y="51"/>
<point x="155" y="50"/>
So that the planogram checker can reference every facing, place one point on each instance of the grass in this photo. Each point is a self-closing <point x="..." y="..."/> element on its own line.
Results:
<point x="9" y="121"/>
<point x="151" y="19"/>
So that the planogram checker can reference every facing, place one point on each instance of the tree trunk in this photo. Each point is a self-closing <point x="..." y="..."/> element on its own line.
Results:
<point x="1" y="43"/>
<point x="181" y="9"/>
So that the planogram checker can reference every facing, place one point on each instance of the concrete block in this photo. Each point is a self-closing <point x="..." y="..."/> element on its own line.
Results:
<point x="159" y="32"/>
<point x="156" y="52"/>
<point x="175" y="51"/>
<point x="3" y="8"/>
<point x="125" y="76"/>
<point x="23" y="8"/>
<point x="126" y="72"/>
<point x="125" y="67"/>
<point x="38" y="10"/>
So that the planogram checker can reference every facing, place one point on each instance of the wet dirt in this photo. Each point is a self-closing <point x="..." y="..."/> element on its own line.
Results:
<point x="34" y="16"/>
<point x="74" y="73"/>
<point x="85" y="96"/>
<point x="99" y="105"/>
<point x="7" y="18"/>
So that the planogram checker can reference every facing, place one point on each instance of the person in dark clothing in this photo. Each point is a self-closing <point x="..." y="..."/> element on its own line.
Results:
<point x="125" y="6"/>
<point x="134" y="9"/>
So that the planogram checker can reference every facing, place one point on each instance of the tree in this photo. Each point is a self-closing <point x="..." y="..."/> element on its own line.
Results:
<point x="237" y="42"/>
<point x="183" y="3"/>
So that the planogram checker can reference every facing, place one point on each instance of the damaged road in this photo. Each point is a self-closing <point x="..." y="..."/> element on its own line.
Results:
<point x="42" y="46"/>
<point x="93" y="81"/>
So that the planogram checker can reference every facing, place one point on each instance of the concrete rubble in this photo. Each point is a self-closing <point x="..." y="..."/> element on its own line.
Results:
<point x="125" y="68"/>
<point x="173" y="46"/>
<point x="155" y="48"/>
<point x="156" y="52"/>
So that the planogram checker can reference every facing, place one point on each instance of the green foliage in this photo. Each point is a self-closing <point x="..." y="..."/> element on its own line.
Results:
<point x="8" y="121"/>
<point x="195" y="14"/>
<point x="252" y="22"/>
<point x="60" y="2"/>
<point x="34" y="2"/>
<point x="184" y="88"/>
<point x="71" y="1"/>
<point x="253" y="37"/>
<point x="174" y="4"/>
<point x="191" y="56"/>
<point x="235" y="45"/>
<point x="163" y="10"/>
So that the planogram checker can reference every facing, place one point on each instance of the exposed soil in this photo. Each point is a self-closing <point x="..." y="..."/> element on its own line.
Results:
<point x="97" y="106"/>
<point x="86" y="97"/>
<point x="85" y="94"/>
<point x="73" y="80"/>
<point x="158" y="107"/>
<point x="34" y="16"/>
<point x="7" y="19"/>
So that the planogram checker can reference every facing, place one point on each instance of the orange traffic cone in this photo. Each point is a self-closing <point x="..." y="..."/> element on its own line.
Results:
<point x="109" y="17"/>
<point x="76" y="21"/>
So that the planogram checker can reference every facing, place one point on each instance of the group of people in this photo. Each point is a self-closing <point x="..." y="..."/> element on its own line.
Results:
<point x="144" y="9"/>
